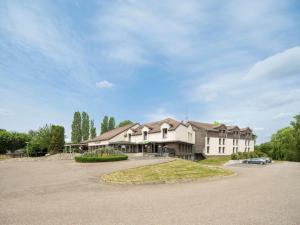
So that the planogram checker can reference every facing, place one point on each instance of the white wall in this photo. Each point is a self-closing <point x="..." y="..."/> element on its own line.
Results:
<point x="214" y="146"/>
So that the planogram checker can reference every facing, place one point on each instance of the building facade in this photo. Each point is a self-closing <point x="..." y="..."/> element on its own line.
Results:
<point x="191" y="140"/>
<point x="219" y="139"/>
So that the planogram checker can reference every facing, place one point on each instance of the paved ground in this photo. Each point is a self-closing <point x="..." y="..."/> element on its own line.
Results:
<point x="65" y="192"/>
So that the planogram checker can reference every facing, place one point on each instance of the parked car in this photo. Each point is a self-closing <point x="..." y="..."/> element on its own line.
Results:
<point x="256" y="161"/>
<point x="267" y="159"/>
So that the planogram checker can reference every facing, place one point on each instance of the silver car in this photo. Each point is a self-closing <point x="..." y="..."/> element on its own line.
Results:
<point x="256" y="161"/>
<point x="267" y="159"/>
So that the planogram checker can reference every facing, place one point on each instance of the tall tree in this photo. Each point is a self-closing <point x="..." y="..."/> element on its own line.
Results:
<point x="76" y="135"/>
<point x="104" y="125"/>
<point x="85" y="126"/>
<point x="111" y="123"/>
<point x="57" y="139"/>
<point x="296" y="125"/>
<point x="92" y="130"/>
<point x="124" y="123"/>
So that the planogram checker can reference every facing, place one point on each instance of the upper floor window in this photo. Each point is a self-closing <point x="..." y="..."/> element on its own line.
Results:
<point x="145" y="135"/>
<point x="208" y="139"/>
<point x="223" y="141"/>
<point x="165" y="132"/>
<point x="129" y="137"/>
<point x="219" y="141"/>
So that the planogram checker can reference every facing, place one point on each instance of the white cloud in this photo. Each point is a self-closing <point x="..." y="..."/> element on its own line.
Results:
<point x="253" y="98"/>
<point x="104" y="84"/>
<point x="282" y="115"/>
<point x="159" y="114"/>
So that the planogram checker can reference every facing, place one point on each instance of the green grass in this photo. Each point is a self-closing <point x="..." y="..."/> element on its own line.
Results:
<point x="96" y="158"/>
<point x="177" y="170"/>
<point x="215" y="161"/>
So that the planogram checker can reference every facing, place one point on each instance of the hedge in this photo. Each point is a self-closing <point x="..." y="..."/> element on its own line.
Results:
<point x="109" y="158"/>
<point x="246" y="155"/>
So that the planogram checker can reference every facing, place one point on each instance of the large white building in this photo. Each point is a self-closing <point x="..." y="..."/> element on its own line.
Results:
<point x="191" y="140"/>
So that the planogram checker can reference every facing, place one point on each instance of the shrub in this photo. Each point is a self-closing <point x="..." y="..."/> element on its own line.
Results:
<point x="98" y="158"/>
<point x="246" y="155"/>
<point x="234" y="156"/>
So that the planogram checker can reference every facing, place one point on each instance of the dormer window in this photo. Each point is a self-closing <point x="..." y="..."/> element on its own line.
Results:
<point x="145" y="135"/>
<point x="164" y="132"/>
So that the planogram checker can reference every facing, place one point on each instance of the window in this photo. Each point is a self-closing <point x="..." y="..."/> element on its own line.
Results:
<point x="165" y="132"/>
<point x="237" y="149"/>
<point x="223" y="149"/>
<point x="208" y="140"/>
<point x="219" y="149"/>
<point x="219" y="141"/>
<point x="223" y="141"/>
<point x="245" y="149"/>
<point x="233" y="149"/>
<point x="233" y="141"/>
<point x="129" y="137"/>
<point x="207" y="149"/>
<point x="237" y="141"/>
<point x="245" y="142"/>
<point x="145" y="134"/>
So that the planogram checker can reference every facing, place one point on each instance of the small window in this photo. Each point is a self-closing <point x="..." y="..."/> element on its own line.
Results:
<point x="129" y="137"/>
<point x="233" y="149"/>
<point x="165" y="132"/>
<point x="220" y="150"/>
<point x="219" y="141"/>
<point x="237" y="141"/>
<point x="237" y="149"/>
<point x="145" y="134"/>
<point x="190" y="136"/>
<point x="223" y="141"/>
<point x="208" y="140"/>
<point x="207" y="149"/>
<point x="233" y="141"/>
<point x="223" y="149"/>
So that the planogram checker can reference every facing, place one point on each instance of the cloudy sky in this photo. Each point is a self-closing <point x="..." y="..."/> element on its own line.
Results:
<point x="237" y="62"/>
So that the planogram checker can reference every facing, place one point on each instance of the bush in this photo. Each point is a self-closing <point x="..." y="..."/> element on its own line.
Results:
<point x="234" y="156"/>
<point x="98" y="158"/>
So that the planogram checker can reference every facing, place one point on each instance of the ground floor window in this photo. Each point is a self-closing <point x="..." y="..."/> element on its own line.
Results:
<point x="223" y="149"/>
<point x="219" y="150"/>
<point x="207" y="149"/>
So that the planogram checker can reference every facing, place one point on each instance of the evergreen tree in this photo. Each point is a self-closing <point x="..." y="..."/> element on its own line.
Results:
<point x="124" y="123"/>
<point x="111" y="123"/>
<point x="76" y="135"/>
<point x="92" y="130"/>
<point x="104" y="125"/>
<point x="85" y="126"/>
<point x="57" y="139"/>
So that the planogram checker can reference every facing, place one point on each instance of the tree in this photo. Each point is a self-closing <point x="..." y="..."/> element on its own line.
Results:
<point x="12" y="141"/>
<point x="296" y="125"/>
<point x="92" y="130"/>
<point x="57" y="139"/>
<point x="40" y="141"/>
<point x="111" y="123"/>
<point x="265" y="148"/>
<point x="85" y="126"/>
<point x="76" y="135"/>
<point x="104" y="125"/>
<point x="124" y="123"/>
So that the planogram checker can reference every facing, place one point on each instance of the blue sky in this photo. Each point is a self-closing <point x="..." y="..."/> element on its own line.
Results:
<point x="237" y="62"/>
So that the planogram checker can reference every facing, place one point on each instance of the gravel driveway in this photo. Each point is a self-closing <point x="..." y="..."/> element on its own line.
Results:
<point x="65" y="192"/>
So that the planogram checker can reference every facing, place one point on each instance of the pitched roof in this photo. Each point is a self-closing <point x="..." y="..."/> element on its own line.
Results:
<point x="213" y="127"/>
<point x="206" y="126"/>
<point x="154" y="127"/>
<point x="112" y="133"/>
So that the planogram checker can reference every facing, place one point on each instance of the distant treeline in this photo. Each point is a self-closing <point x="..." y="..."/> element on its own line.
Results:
<point x="285" y="143"/>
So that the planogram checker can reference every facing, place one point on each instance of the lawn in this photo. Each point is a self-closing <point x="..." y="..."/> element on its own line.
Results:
<point x="215" y="161"/>
<point x="177" y="170"/>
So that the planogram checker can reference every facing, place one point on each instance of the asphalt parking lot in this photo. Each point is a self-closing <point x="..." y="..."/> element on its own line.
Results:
<point x="65" y="192"/>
